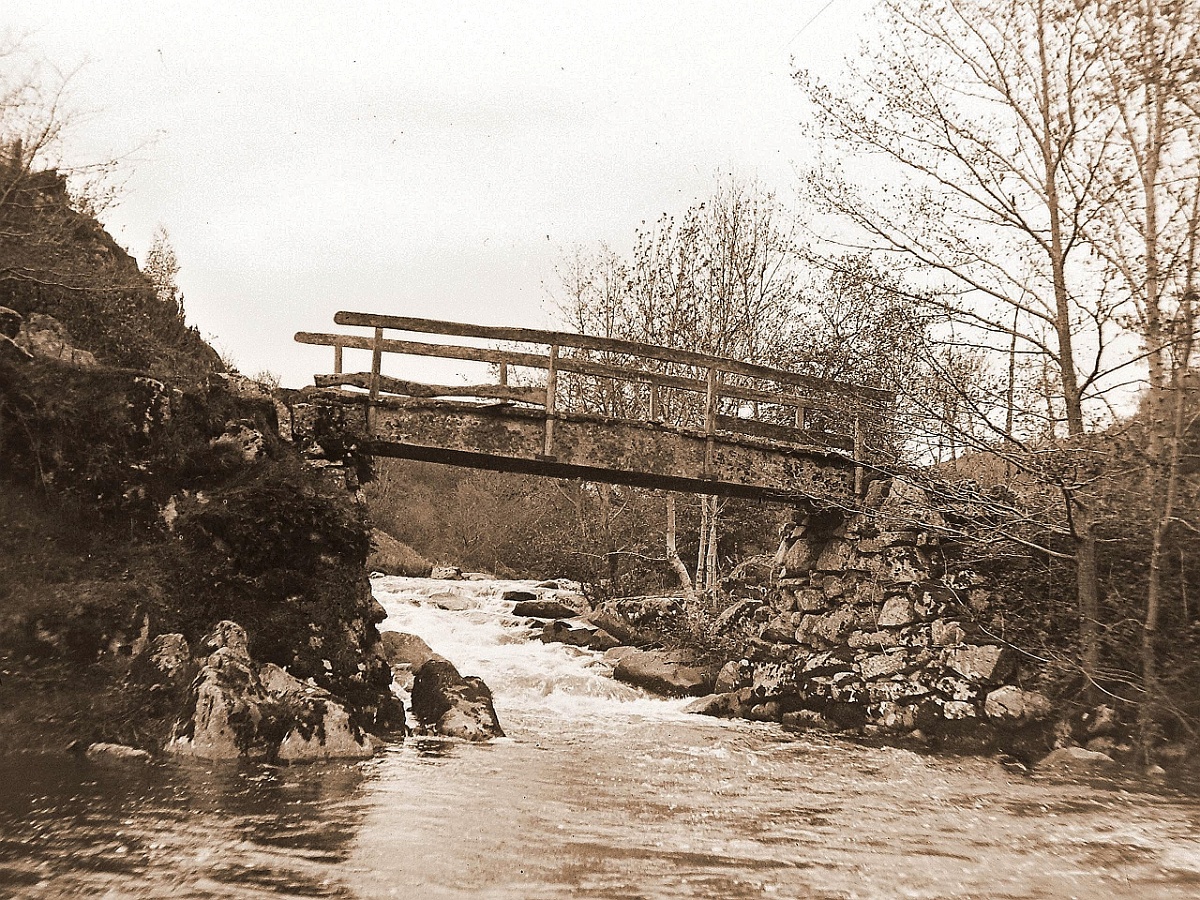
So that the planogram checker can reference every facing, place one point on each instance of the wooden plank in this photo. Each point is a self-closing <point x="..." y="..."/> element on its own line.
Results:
<point x="610" y="345"/>
<point x="535" y="395"/>
<point x="565" y="364"/>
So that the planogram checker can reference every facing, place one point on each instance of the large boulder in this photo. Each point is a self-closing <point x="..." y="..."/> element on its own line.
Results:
<point x="578" y="634"/>
<point x="401" y="649"/>
<point x="320" y="727"/>
<point x="986" y="664"/>
<point x="543" y="608"/>
<point x="393" y="557"/>
<point x="610" y="621"/>
<point x="44" y="336"/>
<point x="664" y="672"/>
<point x="1011" y="704"/>
<point x="239" y="710"/>
<point x="455" y="705"/>
<point x="731" y="676"/>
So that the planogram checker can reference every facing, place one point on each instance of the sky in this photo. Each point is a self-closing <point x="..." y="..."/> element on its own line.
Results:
<point x="435" y="160"/>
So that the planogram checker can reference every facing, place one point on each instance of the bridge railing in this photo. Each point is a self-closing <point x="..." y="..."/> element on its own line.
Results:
<point x="734" y="396"/>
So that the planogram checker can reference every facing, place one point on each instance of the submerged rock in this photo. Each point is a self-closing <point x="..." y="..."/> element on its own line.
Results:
<point x="103" y="750"/>
<point x="450" y="601"/>
<point x="452" y="704"/>
<point x="1076" y="759"/>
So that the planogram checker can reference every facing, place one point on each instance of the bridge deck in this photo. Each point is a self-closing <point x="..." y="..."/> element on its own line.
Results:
<point x="508" y="438"/>
<point x="739" y="429"/>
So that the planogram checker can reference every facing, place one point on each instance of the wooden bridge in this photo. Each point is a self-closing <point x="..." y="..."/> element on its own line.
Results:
<point x="580" y="406"/>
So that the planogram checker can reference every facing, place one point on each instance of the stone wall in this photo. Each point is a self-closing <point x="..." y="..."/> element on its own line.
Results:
<point x="864" y="626"/>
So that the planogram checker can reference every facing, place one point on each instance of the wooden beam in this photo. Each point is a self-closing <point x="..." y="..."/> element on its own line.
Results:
<point x="611" y="345"/>
<point x="564" y="364"/>
<point x="535" y="395"/>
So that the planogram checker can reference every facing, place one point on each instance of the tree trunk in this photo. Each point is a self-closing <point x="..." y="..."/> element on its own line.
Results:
<point x="685" y="580"/>
<point x="606" y="518"/>
<point x="710" y="567"/>
<point x="1086" y="587"/>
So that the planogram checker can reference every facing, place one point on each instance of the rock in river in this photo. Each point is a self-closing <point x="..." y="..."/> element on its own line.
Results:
<point x="452" y="704"/>
<point x="238" y="709"/>
<point x="578" y="634"/>
<point x="543" y="608"/>
<point x="664" y="672"/>
<point x="1075" y="759"/>
<point x="401" y="649"/>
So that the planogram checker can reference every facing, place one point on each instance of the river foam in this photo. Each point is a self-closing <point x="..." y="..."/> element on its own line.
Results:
<point x="470" y="624"/>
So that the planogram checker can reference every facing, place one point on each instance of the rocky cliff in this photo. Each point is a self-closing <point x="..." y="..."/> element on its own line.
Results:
<point x="135" y="510"/>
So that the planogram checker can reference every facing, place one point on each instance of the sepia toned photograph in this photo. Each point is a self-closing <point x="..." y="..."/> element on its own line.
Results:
<point x="600" y="450"/>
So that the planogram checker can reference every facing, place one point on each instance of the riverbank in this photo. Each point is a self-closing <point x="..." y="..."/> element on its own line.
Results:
<point x="887" y="622"/>
<point x="136" y="511"/>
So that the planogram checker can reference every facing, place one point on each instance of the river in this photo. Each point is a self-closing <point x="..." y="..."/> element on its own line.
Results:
<point x="597" y="792"/>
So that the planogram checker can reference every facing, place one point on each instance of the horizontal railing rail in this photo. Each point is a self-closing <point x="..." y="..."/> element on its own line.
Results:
<point x="856" y="406"/>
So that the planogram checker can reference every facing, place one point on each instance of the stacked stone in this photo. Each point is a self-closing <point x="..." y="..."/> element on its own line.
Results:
<point x="874" y="631"/>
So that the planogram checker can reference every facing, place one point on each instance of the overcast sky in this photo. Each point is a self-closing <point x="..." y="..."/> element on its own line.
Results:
<point x="434" y="160"/>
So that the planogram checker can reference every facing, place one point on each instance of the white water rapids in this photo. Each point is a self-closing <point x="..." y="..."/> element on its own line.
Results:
<point x="597" y="792"/>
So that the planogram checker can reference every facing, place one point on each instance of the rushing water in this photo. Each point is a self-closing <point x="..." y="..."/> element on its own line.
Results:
<point x="598" y="792"/>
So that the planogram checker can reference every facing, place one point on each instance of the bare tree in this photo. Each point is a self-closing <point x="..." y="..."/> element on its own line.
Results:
<point x="722" y="279"/>
<point x="991" y="115"/>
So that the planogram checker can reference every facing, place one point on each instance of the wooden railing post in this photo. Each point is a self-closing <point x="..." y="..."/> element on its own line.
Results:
<point x="551" y="399"/>
<point x="800" y="418"/>
<point x="655" y="413"/>
<point x="860" y="450"/>
<point x="376" y="362"/>
<point x="710" y="418"/>
<point x="337" y="359"/>
<point x="504" y="373"/>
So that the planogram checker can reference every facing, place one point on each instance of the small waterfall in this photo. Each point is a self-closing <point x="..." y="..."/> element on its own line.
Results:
<point x="468" y="623"/>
